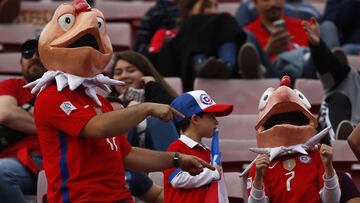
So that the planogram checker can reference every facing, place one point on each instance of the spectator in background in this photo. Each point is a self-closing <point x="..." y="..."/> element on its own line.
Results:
<point x="205" y="45"/>
<point x="284" y="41"/>
<point x="340" y="108"/>
<point x="345" y="14"/>
<point x="143" y="84"/>
<point x="161" y="16"/>
<point x="247" y="13"/>
<point x="20" y="157"/>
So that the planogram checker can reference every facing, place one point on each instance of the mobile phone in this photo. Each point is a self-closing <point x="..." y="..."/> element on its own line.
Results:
<point x="280" y="24"/>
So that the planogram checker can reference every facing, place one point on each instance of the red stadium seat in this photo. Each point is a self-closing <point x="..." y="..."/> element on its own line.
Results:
<point x="123" y="10"/>
<point x="41" y="187"/>
<point x="229" y="7"/>
<point x="313" y="91"/>
<point x="157" y="177"/>
<point x="13" y="35"/>
<point x="175" y="83"/>
<point x="10" y="63"/>
<point x="244" y="94"/>
<point x="354" y="62"/>
<point x="120" y="35"/>
<point x="238" y="126"/>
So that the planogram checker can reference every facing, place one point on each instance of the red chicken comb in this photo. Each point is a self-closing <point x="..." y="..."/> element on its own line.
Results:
<point x="81" y="6"/>
<point x="285" y="81"/>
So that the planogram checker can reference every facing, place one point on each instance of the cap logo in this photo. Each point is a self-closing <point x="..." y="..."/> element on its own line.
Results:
<point x="206" y="99"/>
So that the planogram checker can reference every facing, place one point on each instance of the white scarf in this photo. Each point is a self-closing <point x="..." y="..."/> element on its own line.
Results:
<point x="299" y="148"/>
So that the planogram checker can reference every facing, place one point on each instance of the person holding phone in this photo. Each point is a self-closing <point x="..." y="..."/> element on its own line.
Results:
<point x="284" y="41"/>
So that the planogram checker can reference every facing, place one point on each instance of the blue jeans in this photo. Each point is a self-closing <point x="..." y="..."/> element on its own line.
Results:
<point x="351" y="49"/>
<point x="16" y="180"/>
<point x="226" y="52"/>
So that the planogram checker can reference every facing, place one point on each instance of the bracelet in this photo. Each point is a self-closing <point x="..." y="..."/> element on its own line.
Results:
<point x="176" y="159"/>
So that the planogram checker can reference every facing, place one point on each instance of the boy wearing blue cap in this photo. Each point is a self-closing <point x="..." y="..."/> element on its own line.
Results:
<point x="200" y="121"/>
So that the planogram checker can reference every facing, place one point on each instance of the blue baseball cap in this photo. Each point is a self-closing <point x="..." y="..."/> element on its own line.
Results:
<point x="198" y="101"/>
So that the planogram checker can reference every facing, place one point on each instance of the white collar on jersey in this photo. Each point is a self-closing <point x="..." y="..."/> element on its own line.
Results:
<point x="65" y="79"/>
<point x="190" y="142"/>
<point x="299" y="148"/>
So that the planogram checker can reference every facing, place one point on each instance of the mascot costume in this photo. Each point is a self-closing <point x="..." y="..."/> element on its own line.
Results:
<point x="290" y="167"/>
<point x="75" y="48"/>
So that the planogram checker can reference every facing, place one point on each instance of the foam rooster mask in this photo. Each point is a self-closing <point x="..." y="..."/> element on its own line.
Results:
<point x="285" y="123"/>
<point x="75" y="48"/>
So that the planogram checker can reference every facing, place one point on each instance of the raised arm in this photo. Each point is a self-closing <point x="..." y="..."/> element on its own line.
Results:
<point x="257" y="194"/>
<point x="330" y="193"/>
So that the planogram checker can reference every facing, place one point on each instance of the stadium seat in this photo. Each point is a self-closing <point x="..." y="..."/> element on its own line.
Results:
<point x="235" y="187"/>
<point x="244" y="94"/>
<point x="354" y="62"/>
<point x="120" y="35"/>
<point x="4" y="77"/>
<point x="228" y="7"/>
<point x="123" y="11"/>
<point x="41" y="187"/>
<point x="41" y="6"/>
<point x="157" y="177"/>
<point x="238" y="126"/>
<point x="13" y="35"/>
<point x="10" y="63"/>
<point x="313" y="91"/>
<point x="175" y="83"/>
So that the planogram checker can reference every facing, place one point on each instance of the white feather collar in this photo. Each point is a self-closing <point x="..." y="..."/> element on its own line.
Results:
<point x="65" y="79"/>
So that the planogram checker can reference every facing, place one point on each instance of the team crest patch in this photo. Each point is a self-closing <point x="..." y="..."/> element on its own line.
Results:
<point x="248" y="183"/>
<point x="304" y="159"/>
<point x="289" y="164"/>
<point x="206" y="99"/>
<point x="67" y="107"/>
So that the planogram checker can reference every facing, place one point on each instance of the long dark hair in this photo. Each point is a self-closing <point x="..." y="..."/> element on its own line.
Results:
<point x="144" y="65"/>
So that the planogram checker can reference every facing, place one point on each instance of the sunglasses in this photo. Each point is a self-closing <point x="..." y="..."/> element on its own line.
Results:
<point x="28" y="54"/>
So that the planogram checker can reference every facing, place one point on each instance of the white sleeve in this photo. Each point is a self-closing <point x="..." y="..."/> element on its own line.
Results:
<point x="331" y="192"/>
<point x="257" y="196"/>
<point x="185" y="180"/>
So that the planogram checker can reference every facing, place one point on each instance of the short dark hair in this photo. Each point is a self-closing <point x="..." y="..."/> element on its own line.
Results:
<point x="184" y="124"/>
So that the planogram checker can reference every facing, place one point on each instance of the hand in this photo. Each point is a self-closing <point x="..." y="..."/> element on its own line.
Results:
<point x="278" y="41"/>
<point x="312" y="30"/>
<point x="163" y="111"/>
<point x="193" y="164"/>
<point x="147" y="79"/>
<point x="262" y="163"/>
<point x="219" y="170"/>
<point x="326" y="155"/>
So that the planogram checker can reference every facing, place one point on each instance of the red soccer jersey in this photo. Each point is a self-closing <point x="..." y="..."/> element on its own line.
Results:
<point x="172" y="194"/>
<point x="14" y="87"/>
<point x="293" y="26"/>
<point x="78" y="169"/>
<point x="295" y="178"/>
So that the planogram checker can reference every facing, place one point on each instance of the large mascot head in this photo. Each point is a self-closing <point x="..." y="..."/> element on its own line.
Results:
<point x="284" y="117"/>
<point x="75" y="41"/>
